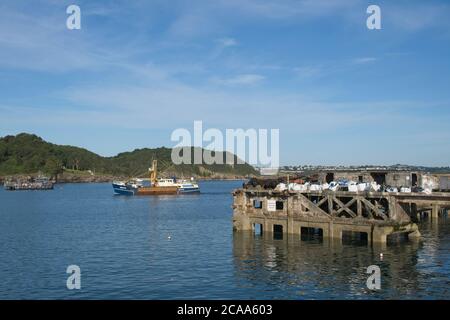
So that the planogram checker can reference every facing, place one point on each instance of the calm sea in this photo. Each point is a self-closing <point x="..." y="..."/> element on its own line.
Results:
<point x="183" y="247"/>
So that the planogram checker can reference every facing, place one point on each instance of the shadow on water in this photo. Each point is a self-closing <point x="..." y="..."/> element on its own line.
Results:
<point x="308" y="267"/>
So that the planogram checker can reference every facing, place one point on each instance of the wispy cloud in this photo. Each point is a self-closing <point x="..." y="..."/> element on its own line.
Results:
<point x="208" y="17"/>
<point x="416" y="16"/>
<point x="222" y="45"/>
<point x="242" y="79"/>
<point x="282" y="9"/>
<point x="40" y="41"/>
<point x="307" y="72"/>
<point x="364" y="60"/>
<point x="153" y="66"/>
<point x="227" y="42"/>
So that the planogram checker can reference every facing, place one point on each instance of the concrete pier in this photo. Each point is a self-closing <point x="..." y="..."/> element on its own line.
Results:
<point x="372" y="215"/>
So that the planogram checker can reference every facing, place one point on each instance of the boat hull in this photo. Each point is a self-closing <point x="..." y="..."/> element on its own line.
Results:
<point x="189" y="190"/>
<point x="147" y="191"/>
<point x="123" y="190"/>
<point x="129" y="190"/>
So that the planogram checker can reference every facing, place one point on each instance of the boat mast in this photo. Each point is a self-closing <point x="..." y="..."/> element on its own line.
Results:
<point x="153" y="171"/>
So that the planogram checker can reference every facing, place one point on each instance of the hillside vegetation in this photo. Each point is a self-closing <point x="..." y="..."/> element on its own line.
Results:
<point x="28" y="154"/>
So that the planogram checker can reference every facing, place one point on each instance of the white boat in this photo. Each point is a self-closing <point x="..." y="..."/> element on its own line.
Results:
<point x="184" y="186"/>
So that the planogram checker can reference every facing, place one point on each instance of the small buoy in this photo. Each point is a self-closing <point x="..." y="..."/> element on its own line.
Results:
<point x="169" y="237"/>
<point x="381" y="256"/>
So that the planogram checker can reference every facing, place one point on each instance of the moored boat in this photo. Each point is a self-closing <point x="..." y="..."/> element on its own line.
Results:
<point x="156" y="186"/>
<point x="123" y="188"/>
<point x="39" y="183"/>
<point x="188" y="187"/>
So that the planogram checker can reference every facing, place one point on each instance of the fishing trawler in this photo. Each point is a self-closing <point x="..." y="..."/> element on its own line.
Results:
<point x="155" y="186"/>
<point x="127" y="188"/>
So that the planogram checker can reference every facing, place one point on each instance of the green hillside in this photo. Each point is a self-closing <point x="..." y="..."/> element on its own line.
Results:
<point x="28" y="154"/>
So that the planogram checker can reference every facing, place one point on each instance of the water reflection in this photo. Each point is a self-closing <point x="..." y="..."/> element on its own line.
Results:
<point x="314" y="269"/>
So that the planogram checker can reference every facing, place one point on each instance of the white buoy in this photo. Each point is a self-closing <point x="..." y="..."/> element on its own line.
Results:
<point x="169" y="237"/>
<point x="381" y="256"/>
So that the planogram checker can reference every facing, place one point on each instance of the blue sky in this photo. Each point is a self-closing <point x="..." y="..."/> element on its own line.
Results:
<point x="137" y="70"/>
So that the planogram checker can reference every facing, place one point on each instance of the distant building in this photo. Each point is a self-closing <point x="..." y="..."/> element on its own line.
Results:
<point x="444" y="181"/>
<point x="395" y="178"/>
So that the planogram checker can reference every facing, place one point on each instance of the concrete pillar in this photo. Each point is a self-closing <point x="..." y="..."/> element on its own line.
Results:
<point x="246" y="224"/>
<point x="379" y="247"/>
<point x="369" y="239"/>
<point x="335" y="231"/>
<point x="331" y="230"/>
<point x="414" y="214"/>
<point x="379" y="237"/>
<point x="435" y="211"/>
<point x="325" y="231"/>
<point x="379" y="234"/>
<point x="242" y="223"/>
<point x="290" y="212"/>
<point x="290" y="225"/>
<point x="268" y="227"/>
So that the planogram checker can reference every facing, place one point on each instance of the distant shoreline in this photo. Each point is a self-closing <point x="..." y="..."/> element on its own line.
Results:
<point x="65" y="179"/>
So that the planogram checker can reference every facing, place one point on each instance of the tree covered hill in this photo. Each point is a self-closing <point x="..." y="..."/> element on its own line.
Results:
<point x="28" y="154"/>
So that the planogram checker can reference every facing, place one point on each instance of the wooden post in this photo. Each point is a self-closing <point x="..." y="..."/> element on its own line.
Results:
<point x="359" y="204"/>
<point x="330" y="204"/>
